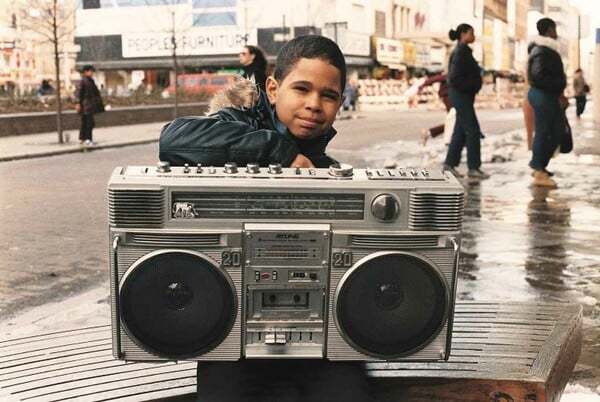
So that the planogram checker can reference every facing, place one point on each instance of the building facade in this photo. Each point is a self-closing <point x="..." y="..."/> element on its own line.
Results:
<point x="135" y="41"/>
<point x="376" y="36"/>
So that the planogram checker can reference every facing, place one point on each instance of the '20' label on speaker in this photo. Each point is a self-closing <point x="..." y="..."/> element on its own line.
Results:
<point x="341" y="259"/>
<point x="231" y="258"/>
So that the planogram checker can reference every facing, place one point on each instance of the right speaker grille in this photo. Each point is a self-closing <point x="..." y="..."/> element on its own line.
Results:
<point x="391" y="305"/>
<point x="435" y="211"/>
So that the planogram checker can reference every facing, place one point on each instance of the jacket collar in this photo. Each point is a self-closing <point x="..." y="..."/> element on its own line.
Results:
<point x="540" y="40"/>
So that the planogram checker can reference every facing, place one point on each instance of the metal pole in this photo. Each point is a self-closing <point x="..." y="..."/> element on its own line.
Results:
<point x="175" y="67"/>
<point x="578" y="40"/>
<point x="596" y="80"/>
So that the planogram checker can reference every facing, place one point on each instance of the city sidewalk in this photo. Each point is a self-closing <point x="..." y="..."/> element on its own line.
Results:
<point x="46" y="144"/>
<point x="586" y="138"/>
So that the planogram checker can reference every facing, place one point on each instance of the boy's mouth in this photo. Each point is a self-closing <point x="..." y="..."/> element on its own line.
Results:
<point x="309" y="123"/>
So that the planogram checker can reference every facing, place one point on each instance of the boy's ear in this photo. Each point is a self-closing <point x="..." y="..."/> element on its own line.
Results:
<point x="271" y="85"/>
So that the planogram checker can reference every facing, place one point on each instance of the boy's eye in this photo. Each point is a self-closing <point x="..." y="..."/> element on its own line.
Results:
<point x="301" y="89"/>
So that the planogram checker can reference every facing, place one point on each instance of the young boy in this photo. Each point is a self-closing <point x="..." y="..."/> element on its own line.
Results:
<point x="292" y="126"/>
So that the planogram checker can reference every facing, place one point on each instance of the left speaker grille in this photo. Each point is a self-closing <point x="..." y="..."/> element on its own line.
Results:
<point x="436" y="211"/>
<point x="136" y="208"/>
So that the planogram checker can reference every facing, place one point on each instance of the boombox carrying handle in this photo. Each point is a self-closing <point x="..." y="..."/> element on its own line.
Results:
<point x="115" y="246"/>
<point x="456" y="246"/>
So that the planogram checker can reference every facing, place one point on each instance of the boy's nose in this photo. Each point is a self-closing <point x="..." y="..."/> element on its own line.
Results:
<point x="313" y="101"/>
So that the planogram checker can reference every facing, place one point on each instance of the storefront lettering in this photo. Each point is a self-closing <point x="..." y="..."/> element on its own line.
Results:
<point x="195" y="43"/>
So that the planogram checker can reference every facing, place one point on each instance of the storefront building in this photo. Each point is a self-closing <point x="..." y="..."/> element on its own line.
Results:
<point x="202" y="36"/>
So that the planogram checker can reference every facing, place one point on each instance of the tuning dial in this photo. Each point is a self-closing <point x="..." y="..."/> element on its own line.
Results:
<point x="253" y="168"/>
<point x="163" y="167"/>
<point x="340" y="170"/>
<point x="231" y="167"/>
<point x="275" y="168"/>
<point x="385" y="207"/>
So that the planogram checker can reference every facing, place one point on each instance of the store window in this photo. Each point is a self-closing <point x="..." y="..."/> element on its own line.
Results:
<point x="380" y="23"/>
<point x="214" y="3"/>
<point x="86" y="4"/>
<point x="215" y="19"/>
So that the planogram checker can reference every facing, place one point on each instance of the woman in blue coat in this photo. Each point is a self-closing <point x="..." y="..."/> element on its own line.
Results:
<point x="464" y="82"/>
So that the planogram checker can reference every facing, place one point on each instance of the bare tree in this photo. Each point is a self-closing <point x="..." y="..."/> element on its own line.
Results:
<point x="176" y="29"/>
<point x="53" y="22"/>
<point x="175" y="65"/>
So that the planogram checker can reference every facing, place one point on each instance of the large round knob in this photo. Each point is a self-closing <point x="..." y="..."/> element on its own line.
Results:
<point x="231" y="167"/>
<point x="341" y="170"/>
<point x="163" y="167"/>
<point x="385" y="207"/>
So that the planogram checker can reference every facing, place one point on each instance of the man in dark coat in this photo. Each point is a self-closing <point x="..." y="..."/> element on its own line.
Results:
<point x="547" y="82"/>
<point x="89" y="102"/>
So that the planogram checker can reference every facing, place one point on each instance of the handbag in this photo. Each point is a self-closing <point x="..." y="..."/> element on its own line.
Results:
<point x="586" y="89"/>
<point x="566" y="142"/>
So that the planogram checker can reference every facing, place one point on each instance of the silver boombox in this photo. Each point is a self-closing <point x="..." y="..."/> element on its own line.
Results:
<point x="228" y="263"/>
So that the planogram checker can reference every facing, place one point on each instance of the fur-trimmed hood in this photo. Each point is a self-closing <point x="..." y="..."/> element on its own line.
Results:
<point x="540" y="40"/>
<point x="242" y="94"/>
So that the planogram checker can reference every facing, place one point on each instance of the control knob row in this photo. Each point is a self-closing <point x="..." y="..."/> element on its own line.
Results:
<point x="230" y="167"/>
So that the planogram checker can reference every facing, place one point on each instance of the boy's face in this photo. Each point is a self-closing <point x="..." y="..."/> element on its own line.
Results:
<point x="308" y="98"/>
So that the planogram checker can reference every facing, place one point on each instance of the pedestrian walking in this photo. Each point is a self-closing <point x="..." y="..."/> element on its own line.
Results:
<point x="89" y="102"/>
<point x="464" y="81"/>
<point x="254" y="62"/>
<point x="581" y="89"/>
<point x="547" y="81"/>
<point x="443" y="93"/>
<point x="350" y="95"/>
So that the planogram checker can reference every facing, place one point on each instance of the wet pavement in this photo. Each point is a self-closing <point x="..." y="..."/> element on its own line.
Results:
<point x="519" y="242"/>
<point x="522" y="242"/>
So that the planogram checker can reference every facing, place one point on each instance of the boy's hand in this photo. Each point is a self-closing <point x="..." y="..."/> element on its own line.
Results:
<point x="302" y="162"/>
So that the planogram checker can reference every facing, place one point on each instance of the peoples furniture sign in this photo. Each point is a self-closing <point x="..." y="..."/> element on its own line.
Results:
<point x="193" y="42"/>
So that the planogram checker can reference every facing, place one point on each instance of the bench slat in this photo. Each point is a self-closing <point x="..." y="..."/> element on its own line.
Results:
<point x="493" y="344"/>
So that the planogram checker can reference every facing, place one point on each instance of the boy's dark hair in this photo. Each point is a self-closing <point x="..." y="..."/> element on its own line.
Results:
<point x="454" y="34"/>
<point x="309" y="47"/>
<point x="544" y="25"/>
<point x="88" y="67"/>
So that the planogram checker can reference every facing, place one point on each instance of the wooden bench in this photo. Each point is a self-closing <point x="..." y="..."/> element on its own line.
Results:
<point x="500" y="352"/>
